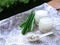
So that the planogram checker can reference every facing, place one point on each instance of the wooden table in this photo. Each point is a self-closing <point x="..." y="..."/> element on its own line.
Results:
<point x="55" y="4"/>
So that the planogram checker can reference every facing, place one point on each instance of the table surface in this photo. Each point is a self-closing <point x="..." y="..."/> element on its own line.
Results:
<point x="55" y="4"/>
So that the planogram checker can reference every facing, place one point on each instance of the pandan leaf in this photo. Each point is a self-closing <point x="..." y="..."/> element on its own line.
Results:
<point x="27" y="25"/>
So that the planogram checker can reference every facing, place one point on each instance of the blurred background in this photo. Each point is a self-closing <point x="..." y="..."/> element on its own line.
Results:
<point x="11" y="7"/>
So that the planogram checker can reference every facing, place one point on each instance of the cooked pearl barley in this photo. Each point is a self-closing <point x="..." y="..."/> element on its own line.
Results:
<point x="33" y="37"/>
<point x="45" y="24"/>
<point x="39" y="14"/>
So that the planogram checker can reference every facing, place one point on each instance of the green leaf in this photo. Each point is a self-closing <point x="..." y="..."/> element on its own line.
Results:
<point x="28" y="24"/>
<point x="25" y="28"/>
<point x="1" y="9"/>
<point x="7" y="3"/>
<point x="31" y="23"/>
<point x="24" y="1"/>
<point x="31" y="26"/>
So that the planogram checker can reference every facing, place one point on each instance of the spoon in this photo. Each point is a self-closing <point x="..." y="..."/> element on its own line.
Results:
<point x="37" y="37"/>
